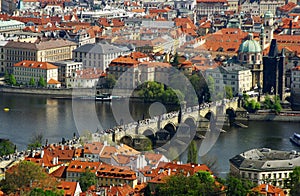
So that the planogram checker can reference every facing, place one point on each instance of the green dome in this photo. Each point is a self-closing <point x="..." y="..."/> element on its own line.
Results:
<point x="268" y="14"/>
<point x="250" y="46"/>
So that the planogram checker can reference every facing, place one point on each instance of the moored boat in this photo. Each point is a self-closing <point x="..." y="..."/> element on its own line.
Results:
<point x="295" y="139"/>
<point x="103" y="97"/>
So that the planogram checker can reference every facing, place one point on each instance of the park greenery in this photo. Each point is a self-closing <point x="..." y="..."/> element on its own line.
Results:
<point x="250" y="104"/>
<point x="272" y="104"/>
<point x="201" y="183"/>
<point x="6" y="147"/>
<point x="25" y="177"/>
<point x="154" y="91"/>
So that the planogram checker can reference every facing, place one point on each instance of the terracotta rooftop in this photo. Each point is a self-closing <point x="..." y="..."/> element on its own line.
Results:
<point x="81" y="166"/>
<point x="35" y="65"/>
<point x="268" y="189"/>
<point x="69" y="188"/>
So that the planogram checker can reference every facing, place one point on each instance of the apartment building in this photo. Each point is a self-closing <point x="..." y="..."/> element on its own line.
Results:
<point x="265" y="165"/>
<point x="97" y="55"/>
<point x="42" y="50"/>
<point x="66" y="68"/>
<point x="25" y="70"/>
<point x="237" y="77"/>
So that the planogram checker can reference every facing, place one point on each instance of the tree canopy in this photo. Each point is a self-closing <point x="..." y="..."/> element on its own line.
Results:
<point x="201" y="183"/>
<point x="35" y="141"/>
<point x="295" y="182"/>
<point x="42" y="82"/>
<point x="87" y="179"/>
<point x="31" y="82"/>
<point x="6" y="147"/>
<point x="154" y="91"/>
<point x="237" y="186"/>
<point x="12" y="80"/>
<point x="25" y="177"/>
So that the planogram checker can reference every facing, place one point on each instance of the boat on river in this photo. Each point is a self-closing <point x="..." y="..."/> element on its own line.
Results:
<point x="103" y="97"/>
<point x="295" y="139"/>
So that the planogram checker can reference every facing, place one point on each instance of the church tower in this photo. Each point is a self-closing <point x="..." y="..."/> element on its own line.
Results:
<point x="268" y="27"/>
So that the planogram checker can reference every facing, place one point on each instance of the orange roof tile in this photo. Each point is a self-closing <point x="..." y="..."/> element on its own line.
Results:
<point x="268" y="189"/>
<point x="52" y="81"/>
<point x="35" y="65"/>
<point x="69" y="188"/>
<point x="81" y="166"/>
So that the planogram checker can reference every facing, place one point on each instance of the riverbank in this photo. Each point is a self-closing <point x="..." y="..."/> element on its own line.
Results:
<point x="274" y="117"/>
<point x="65" y="92"/>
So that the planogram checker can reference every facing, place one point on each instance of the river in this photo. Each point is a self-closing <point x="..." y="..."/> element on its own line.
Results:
<point x="58" y="118"/>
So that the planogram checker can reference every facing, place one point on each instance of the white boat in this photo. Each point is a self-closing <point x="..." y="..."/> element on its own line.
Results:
<point x="103" y="97"/>
<point x="295" y="139"/>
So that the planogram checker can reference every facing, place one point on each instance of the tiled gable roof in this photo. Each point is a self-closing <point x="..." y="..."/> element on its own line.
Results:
<point x="81" y="166"/>
<point x="69" y="188"/>
<point x="35" y="65"/>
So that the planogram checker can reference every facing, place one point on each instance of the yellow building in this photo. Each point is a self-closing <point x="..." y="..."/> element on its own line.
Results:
<point x="43" y="50"/>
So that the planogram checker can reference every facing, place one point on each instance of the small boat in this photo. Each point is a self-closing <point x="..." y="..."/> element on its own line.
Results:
<point x="297" y="135"/>
<point x="295" y="139"/>
<point x="103" y="97"/>
<point x="6" y="109"/>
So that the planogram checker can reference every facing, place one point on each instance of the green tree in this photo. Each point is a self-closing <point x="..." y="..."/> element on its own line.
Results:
<point x="211" y="87"/>
<point x="6" y="147"/>
<point x="295" y="182"/>
<point x="87" y="179"/>
<point x="268" y="103"/>
<point x="192" y="153"/>
<point x="12" y="80"/>
<point x="25" y="177"/>
<point x="42" y="82"/>
<point x="175" y="61"/>
<point x="202" y="183"/>
<point x="32" y="82"/>
<point x="110" y="81"/>
<point x="35" y="141"/>
<point x="228" y="91"/>
<point x="237" y="186"/>
<point x="200" y="86"/>
<point x="41" y="192"/>
<point x="277" y="106"/>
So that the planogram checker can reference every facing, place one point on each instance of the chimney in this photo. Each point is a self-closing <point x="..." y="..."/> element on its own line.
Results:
<point x="62" y="147"/>
<point x="267" y="187"/>
<point x="169" y="172"/>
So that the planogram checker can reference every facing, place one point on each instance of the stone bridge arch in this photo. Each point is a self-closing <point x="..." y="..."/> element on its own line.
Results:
<point x="171" y="128"/>
<point x="150" y="133"/>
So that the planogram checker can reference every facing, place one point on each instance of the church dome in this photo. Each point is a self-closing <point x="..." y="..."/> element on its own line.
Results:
<point x="250" y="46"/>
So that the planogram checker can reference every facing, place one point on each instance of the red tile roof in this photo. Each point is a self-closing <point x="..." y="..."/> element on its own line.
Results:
<point x="110" y="171"/>
<point x="269" y="189"/>
<point x="69" y="188"/>
<point x="287" y="7"/>
<point x="52" y="81"/>
<point x="81" y="166"/>
<point x="35" y="65"/>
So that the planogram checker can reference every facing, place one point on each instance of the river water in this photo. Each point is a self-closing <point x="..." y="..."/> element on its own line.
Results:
<point x="58" y="118"/>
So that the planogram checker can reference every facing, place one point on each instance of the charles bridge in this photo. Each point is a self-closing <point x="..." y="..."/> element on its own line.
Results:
<point x="198" y="119"/>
